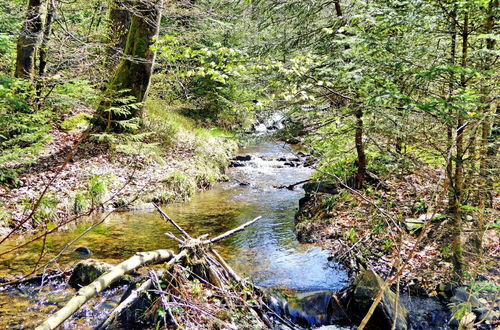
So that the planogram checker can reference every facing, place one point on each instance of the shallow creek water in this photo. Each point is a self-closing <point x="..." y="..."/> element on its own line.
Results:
<point x="267" y="252"/>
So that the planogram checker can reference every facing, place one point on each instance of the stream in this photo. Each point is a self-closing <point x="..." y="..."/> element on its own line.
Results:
<point x="267" y="252"/>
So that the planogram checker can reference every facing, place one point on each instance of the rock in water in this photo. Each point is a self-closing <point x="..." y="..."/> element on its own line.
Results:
<point x="367" y="285"/>
<point x="244" y="158"/>
<point x="86" y="272"/>
<point x="83" y="251"/>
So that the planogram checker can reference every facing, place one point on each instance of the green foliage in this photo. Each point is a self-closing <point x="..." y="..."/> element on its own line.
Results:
<point x="98" y="189"/>
<point x="10" y="21"/>
<point x="215" y="78"/>
<point x="72" y="93"/>
<point x="460" y="310"/>
<point x="351" y="235"/>
<point x="180" y="185"/>
<point x="481" y="286"/>
<point x="23" y="131"/>
<point x="114" y="113"/>
<point x="80" y="202"/>
<point x="46" y="210"/>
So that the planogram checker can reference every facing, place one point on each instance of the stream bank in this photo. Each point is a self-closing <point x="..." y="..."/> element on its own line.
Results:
<point x="176" y="159"/>
<point x="359" y="237"/>
<point x="267" y="252"/>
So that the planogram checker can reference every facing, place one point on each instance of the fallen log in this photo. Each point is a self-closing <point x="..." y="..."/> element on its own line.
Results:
<point x="135" y="295"/>
<point x="200" y="260"/>
<point x="102" y="282"/>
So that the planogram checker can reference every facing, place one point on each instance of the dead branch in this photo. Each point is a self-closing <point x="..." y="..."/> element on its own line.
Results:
<point x="166" y="217"/>
<point x="230" y="232"/>
<point x="101" y="283"/>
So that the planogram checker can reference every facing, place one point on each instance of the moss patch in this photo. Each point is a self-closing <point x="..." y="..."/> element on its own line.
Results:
<point x="77" y="122"/>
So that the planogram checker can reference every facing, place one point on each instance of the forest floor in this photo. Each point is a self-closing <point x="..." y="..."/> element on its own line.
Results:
<point x="356" y="232"/>
<point x="104" y="176"/>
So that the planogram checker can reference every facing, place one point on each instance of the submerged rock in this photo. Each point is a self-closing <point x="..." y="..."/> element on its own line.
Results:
<point x="236" y="164"/>
<point x="367" y="285"/>
<point x="86" y="272"/>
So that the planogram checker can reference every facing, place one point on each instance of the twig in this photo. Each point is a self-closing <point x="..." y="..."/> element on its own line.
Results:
<point x="230" y="232"/>
<point x="166" y="217"/>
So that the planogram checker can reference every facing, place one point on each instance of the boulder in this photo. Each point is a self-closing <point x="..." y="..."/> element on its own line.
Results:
<point x="367" y="285"/>
<point x="244" y="158"/>
<point x="320" y="187"/>
<point x="85" y="272"/>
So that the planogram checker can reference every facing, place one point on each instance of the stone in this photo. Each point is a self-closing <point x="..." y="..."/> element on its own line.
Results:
<point x="320" y="187"/>
<point x="415" y="224"/>
<point x="236" y="164"/>
<point x="143" y="207"/>
<point x="83" y="251"/>
<point x="244" y="158"/>
<point x="367" y="285"/>
<point x="85" y="272"/>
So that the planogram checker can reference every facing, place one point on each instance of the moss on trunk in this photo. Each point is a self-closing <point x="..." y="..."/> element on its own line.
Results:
<point x="134" y="71"/>
<point x="29" y="39"/>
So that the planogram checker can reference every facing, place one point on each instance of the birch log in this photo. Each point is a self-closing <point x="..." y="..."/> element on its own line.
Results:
<point x="102" y="282"/>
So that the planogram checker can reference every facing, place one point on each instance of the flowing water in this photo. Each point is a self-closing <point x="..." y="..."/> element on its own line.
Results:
<point x="267" y="251"/>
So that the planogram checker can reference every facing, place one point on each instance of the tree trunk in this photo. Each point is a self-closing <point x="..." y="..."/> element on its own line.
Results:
<point x="44" y="49"/>
<point x="28" y="41"/>
<point x="449" y="128"/>
<point x="358" y="139"/>
<point x="458" y="180"/>
<point x="485" y="161"/>
<point x="338" y="9"/>
<point x="119" y="24"/>
<point x="133" y="74"/>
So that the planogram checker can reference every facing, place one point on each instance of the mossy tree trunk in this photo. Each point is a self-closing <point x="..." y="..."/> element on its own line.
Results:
<point x="119" y="23"/>
<point x="132" y="76"/>
<point x="29" y="40"/>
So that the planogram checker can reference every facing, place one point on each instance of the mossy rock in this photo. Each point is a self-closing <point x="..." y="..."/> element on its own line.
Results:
<point x="367" y="285"/>
<point x="77" y="122"/>
<point x="86" y="272"/>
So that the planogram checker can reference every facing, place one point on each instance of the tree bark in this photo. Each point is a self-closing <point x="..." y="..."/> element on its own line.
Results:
<point x="449" y="128"/>
<point x="458" y="180"/>
<point x="358" y="139"/>
<point x="119" y="24"/>
<point x="44" y="49"/>
<point x="28" y="41"/>
<point x="485" y="160"/>
<point x="134" y="71"/>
